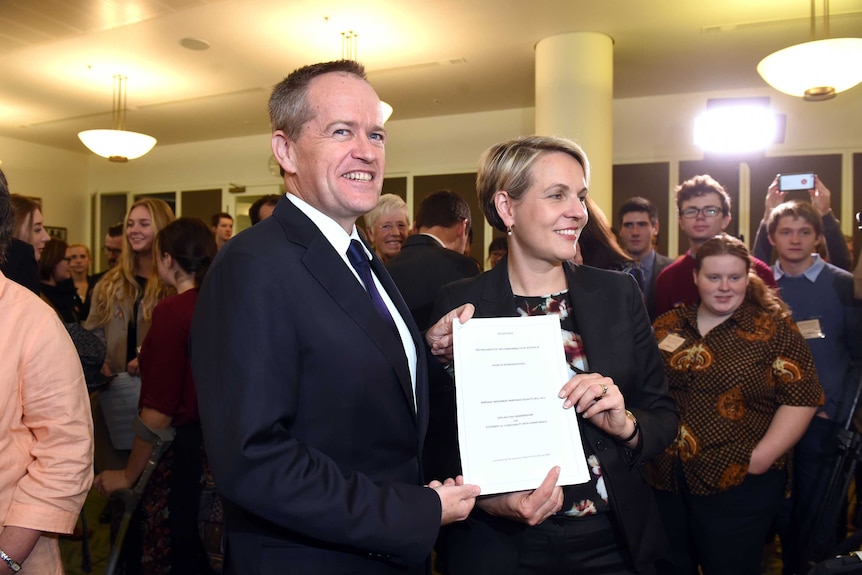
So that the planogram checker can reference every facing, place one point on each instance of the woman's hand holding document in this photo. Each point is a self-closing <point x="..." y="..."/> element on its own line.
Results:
<point x="512" y="425"/>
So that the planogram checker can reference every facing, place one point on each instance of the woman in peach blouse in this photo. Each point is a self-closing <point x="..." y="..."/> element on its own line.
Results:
<point x="46" y="434"/>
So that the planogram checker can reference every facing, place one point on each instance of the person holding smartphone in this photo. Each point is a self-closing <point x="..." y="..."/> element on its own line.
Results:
<point x="820" y="196"/>
<point x="821" y="299"/>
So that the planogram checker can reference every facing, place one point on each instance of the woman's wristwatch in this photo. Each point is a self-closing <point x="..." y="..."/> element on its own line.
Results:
<point x="637" y="428"/>
<point x="13" y="565"/>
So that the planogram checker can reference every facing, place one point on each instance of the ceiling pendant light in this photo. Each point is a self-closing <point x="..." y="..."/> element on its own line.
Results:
<point x="118" y="145"/>
<point x="348" y="52"/>
<point x="815" y="70"/>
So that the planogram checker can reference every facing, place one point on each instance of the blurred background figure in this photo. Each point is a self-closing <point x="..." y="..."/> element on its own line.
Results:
<point x="112" y="248"/>
<point x="387" y="226"/>
<point x="113" y="244"/>
<point x="262" y="208"/>
<point x="79" y="265"/>
<point x="857" y="271"/>
<point x="746" y="388"/>
<point x="29" y="226"/>
<point x="21" y="252"/>
<point x="820" y="296"/>
<point x="598" y="247"/>
<point x="58" y="290"/>
<point x="832" y="245"/>
<point x="222" y="227"/>
<point x="639" y="228"/>
<point x="434" y="255"/>
<point x="163" y="534"/>
<point x="497" y="250"/>
<point x="46" y="433"/>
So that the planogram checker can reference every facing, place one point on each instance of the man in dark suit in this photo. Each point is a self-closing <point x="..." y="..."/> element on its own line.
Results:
<point x="434" y="256"/>
<point x="639" y="227"/>
<point x="313" y="400"/>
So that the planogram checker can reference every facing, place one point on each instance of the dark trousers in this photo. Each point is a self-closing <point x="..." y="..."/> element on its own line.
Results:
<point x="723" y="533"/>
<point x="814" y="458"/>
<point x="567" y="546"/>
<point x="558" y="546"/>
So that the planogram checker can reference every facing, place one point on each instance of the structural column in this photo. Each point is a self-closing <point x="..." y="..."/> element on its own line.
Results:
<point x="574" y="99"/>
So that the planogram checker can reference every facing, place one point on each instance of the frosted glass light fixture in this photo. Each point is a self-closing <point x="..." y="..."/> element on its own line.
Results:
<point x="118" y="144"/>
<point x="815" y="70"/>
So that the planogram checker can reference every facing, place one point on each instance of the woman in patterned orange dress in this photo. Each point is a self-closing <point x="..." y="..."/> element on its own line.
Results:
<point x="746" y="388"/>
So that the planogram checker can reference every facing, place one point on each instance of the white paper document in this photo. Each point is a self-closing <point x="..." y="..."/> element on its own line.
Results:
<point x="512" y="427"/>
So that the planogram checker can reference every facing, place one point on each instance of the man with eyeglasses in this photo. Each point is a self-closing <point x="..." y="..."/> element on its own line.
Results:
<point x="434" y="256"/>
<point x="704" y="211"/>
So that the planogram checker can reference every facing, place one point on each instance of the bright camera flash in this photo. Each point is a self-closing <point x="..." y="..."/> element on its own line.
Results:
<point x="735" y="129"/>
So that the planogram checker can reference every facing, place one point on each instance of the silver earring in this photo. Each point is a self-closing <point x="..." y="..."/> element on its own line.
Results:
<point x="509" y="230"/>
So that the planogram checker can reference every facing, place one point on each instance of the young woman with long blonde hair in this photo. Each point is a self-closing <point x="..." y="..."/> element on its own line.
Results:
<point x="123" y="301"/>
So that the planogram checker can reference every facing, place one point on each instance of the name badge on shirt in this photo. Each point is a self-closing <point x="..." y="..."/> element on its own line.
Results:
<point x="810" y="328"/>
<point x="670" y="342"/>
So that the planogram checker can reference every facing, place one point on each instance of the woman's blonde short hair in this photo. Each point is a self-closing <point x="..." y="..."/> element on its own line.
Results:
<point x="508" y="167"/>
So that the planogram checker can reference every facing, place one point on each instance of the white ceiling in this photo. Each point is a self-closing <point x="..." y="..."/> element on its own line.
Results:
<point x="429" y="58"/>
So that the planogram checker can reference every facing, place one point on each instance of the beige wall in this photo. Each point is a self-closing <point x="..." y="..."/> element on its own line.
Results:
<point x="645" y="129"/>
<point x="59" y="177"/>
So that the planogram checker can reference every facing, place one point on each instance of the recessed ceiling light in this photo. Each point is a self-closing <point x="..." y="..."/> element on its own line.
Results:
<point x="195" y="44"/>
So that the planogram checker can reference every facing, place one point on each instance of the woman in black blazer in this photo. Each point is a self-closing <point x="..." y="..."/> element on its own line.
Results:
<point x="534" y="188"/>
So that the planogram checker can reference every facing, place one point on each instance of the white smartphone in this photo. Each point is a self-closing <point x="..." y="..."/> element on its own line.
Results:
<point x="791" y="182"/>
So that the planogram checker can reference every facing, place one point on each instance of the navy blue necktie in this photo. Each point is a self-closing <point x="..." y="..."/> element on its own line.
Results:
<point x="359" y="260"/>
<point x="638" y="273"/>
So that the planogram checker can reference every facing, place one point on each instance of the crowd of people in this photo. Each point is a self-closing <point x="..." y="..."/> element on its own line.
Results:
<point x="305" y="366"/>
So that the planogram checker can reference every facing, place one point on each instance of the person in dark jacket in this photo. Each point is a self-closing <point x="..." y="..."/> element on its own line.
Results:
<point x="535" y="188"/>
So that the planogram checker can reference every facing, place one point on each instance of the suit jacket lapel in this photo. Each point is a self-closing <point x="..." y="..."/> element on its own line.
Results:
<point x="589" y="306"/>
<point x="330" y="270"/>
<point x="497" y="298"/>
<point x="421" y="368"/>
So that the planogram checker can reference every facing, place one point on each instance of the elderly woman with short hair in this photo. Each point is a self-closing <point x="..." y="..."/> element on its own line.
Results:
<point x="387" y="226"/>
